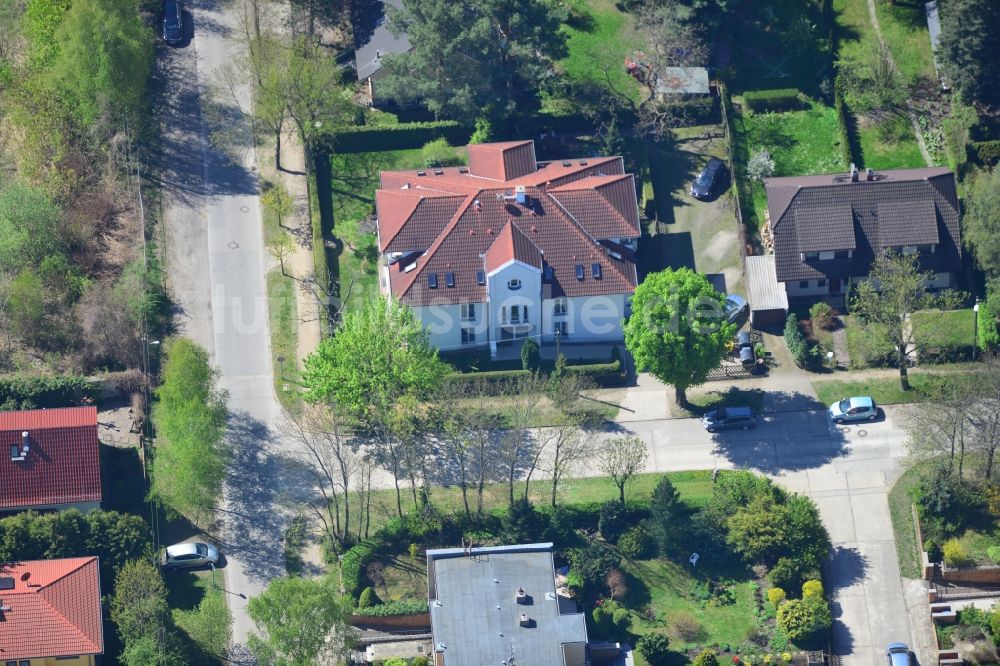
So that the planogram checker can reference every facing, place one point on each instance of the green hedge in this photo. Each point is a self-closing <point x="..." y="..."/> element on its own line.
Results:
<point x="494" y="382"/>
<point x="988" y="332"/>
<point x="779" y="99"/>
<point x="843" y="123"/>
<point x="30" y="391"/>
<point x="986" y="153"/>
<point x="603" y="373"/>
<point x="390" y="608"/>
<point x="367" y="139"/>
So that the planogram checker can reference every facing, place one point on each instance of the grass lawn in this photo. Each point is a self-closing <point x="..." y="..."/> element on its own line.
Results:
<point x="669" y="586"/>
<point x="283" y="316"/>
<point x="900" y="503"/>
<point x="904" y="27"/>
<point x="702" y="402"/>
<point x="200" y="612"/>
<point x="866" y="349"/>
<point x="885" y="390"/>
<point x="944" y="329"/>
<point x="355" y="179"/>
<point x="599" y="37"/>
<point x="901" y="153"/>
<point x="399" y="578"/>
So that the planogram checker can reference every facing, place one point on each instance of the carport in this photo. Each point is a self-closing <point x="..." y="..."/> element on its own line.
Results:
<point x="767" y="297"/>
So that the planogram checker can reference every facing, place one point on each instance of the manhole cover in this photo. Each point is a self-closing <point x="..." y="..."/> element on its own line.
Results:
<point x="233" y="245"/>
<point x="862" y="433"/>
<point x="244" y="209"/>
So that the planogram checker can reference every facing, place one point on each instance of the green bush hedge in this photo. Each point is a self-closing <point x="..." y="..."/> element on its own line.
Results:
<point x="605" y="374"/>
<point x="779" y="99"/>
<point x="986" y="153"/>
<point x="796" y="341"/>
<point x="494" y="382"/>
<point x="843" y="123"/>
<point x="389" y="608"/>
<point x="30" y="391"/>
<point x="988" y="332"/>
<point x="366" y="139"/>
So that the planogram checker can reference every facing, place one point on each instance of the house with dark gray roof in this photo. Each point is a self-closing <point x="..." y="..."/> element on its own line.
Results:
<point x="509" y="248"/>
<point x="500" y="605"/>
<point x="373" y="41"/>
<point x="828" y="229"/>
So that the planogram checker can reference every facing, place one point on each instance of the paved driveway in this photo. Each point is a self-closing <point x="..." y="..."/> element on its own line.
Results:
<point x="848" y="471"/>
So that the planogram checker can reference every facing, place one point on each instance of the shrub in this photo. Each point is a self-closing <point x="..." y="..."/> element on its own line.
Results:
<point x="438" y="153"/>
<point x="776" y="595"/>
<point x="933" y="550"/>
<point x="760" y="165"/>
<point x="604" y="374"/>
<point x="530" y="356"/>
<point x="993" y="552"/>
<point x="804" y="619"/>
<point x="395" y="661"/>
<point x="368" y="598"/>
<point x="986" y="153"/>
<point x="988" y="333"/>
<point x="954" y="553"/>
<point x="636" y="542"/>
<point x="797" y="344"/>
<point x="31" y="391"/>
<point x="786" y="573"/>
<point x="706" y="657"/>
<point x="523" y="523"/>
<point x="843" y="122"/>
<point x="822" y="315"/>
<point x="685" y="626"/>
<point x="780" y="99"/>
<point x="655" y="648"/>
<point x="946" y="504"/>
<point x="812" y="588"/>
<point x="366" y="138"/>
<point x="391" y="608"/>
<point x="592" y="564"/>
<point x="613" y="520"/>
<point x="612" y="619"/>
<point x="419" y="661"/>
<point x="483" y="132"/>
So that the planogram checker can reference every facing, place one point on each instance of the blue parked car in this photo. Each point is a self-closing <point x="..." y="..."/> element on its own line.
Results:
<point x="860" y="408"/>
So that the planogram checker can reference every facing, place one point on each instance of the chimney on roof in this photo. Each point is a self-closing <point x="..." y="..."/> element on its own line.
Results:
<point x="854" y="173"/>
<point x="24" y="444"/>
<point x="478" y="204"/>
<point x="869" y="174"/>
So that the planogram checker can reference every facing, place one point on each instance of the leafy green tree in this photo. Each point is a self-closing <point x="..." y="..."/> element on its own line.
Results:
<point x="899" y="293"/>
<point x="530" y="354"/>
<point x="637" y="542"/>
<point x="104" y="58"/>
<point x="378" y="355"/>
<point x="706" y="657"/>
<point x="523" y="523"/>
<point x="981" y="223"/>
<point x="807" y="537"/>
<point x="189" y="461"/>
<point x="613" y="520"/>
<point x="473" y="56"/>
<point x="139" y="604"/>
<point x="592" y="564"/>
<point x="317" y="101"/>
<point x="805" y="619"/>
<point x="667" y="514"/>
<point x="621" y="459"/>
<point x="655" y="648"/>
<point x="759" y="531"/>
<point x="970" y="30"/>
<point x="678" y="330"/>
<point x="299" y="621"/>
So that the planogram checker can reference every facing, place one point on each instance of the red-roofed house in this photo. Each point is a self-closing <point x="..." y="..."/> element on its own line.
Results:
<point x="509" y="247"/>
<point x="50" y="612"/>
<point x="49" y="459"/>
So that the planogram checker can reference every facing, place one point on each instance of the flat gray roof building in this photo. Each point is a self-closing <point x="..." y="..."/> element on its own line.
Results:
<point x="498" y="606"/>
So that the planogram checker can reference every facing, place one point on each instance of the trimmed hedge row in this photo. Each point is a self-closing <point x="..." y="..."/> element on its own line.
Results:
<point x="986" y="153"/>
<point x="779" y="99"/>
<point x="989" y="333"/>
<point x="494" y="382"/>
<point x="843" y="122"/>
<point x="372" y="138"/>
<point x="30" y="391"/>
<point x="602" y="373"/>
<point x="389" y="608"/>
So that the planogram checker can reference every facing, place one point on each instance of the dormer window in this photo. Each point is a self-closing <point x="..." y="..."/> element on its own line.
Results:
<point x="579" y="272"/>
<point x="432" y="280"/>
<point x="810" y="256"/>
<point x="513" y="284"/>
<point x="449" y="279"/>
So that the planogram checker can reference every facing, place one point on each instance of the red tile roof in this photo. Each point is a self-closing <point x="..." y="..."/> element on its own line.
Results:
<point x="511" y="244"/>
<point x="63" y="462"/>
<point x="502" y="161"/>
<point x="55" y="609"/>
<point x="570" y="206"/>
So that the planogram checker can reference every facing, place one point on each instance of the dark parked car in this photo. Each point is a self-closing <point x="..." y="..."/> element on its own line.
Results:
<point x="708" y="179"/>
<point x="729" y="418"/>
<point x="173" y="22"/>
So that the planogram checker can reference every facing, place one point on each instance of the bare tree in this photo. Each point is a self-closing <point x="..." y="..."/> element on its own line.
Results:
<point x="517" y="444"/>
<point x="984" y="415"/>
<point x="939" y="426"/>
<point x="621" y="459"/>
<point x="331" y="454"/>
<point x="281" y="246"/>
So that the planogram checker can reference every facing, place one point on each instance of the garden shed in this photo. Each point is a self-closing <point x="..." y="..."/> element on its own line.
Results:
<point x="683" y="81"/>
<point x="768" y="300"/>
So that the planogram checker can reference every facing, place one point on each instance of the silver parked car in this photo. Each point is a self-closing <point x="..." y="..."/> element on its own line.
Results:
<point x="858" y="408"/>
<point x="898" y="654"/>
<point x="189" y="555"/>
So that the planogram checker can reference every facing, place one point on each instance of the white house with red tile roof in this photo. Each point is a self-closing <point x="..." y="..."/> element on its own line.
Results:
<point x="50" y="612"/>
<point x="509" y="247"/>
<point x="49" y="459"/>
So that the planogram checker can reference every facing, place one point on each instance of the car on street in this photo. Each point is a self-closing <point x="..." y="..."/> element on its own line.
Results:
<point x="173" y="22"/>
<point x="729" y="418"/>
<point x="736" y="307"/>
<point x="708" y="179"/>
<point x="858" y="408"/>
<point x="898" y="654"/>
<point x="189" y="555"/>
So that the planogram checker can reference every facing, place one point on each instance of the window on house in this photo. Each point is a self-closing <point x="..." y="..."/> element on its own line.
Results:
<point x="559" y="306"/>
<point x="909" y="249"/>
<point x="820" y="283"/>
<point x="826" y="256"/>
<point x="503" y="314"/>
<point x="560" y="328"/>
<point x="547" y="273"/>
<point x="432" y="280"/>
<point x="595" y="271"/>
<point x="480" y="278"/>
<point x="803" y="284"/>
<point x="468" y="311"/>
<point x="927" y="249"/>
<point x="513" y="284"/>
<point x="468" y="335"/>
<point x="842" y="254"/>
<point x="579" y="272"/>
<point x="515" y="314"/>
<point x="811" y="256"/>
<point x="449" y="279"/>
